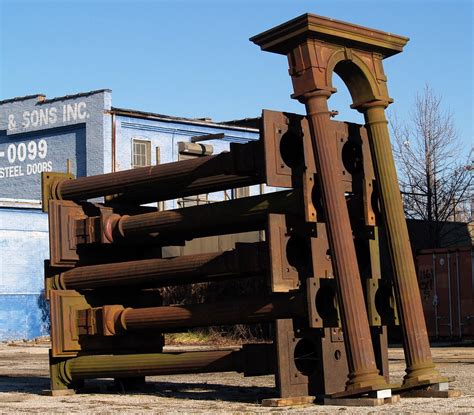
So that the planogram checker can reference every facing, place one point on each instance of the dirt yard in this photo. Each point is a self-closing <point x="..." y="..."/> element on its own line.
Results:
<point x="24" y="382"/>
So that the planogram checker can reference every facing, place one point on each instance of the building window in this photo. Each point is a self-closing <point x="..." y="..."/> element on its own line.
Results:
<point x="187" y="151"/>
<point x="141" y="153"/>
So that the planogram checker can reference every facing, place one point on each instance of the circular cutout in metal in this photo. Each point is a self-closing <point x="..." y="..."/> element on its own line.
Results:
<point x="305" y="357"/>
<point x="298" y="252"/>
<point x="291" y="149"/>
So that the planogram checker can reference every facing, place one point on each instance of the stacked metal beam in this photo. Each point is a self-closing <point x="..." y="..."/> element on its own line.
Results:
<point x="326" y="295"/>
<point x="106" y="321"/>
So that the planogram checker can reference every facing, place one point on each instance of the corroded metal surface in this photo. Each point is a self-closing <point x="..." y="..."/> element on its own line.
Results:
<point x="316" y="48"/>
<point x="420" y="367"/>
<point x="238" y="215"/>
<point x="66" y="372"/>
<point x="119" y="319"/>
<point x="317" y="247"/>
<point x="168" y="181"/>
<point x="298" y="40"/>
<point x="245" y="260"/>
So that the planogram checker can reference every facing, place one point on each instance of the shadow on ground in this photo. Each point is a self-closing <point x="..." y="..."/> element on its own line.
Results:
<point x="210" y="391"/>
<point x="179" y="390"/>
<point x="24" y="384"/>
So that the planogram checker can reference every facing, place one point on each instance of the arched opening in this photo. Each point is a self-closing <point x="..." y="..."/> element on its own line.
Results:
<point x="356" y="81"/>
<point x="341" y="102"/>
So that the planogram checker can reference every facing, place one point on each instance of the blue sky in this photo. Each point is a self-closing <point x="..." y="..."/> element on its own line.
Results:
<point x="193" y="58"/>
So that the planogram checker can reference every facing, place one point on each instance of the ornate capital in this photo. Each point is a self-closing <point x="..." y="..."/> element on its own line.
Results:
<point x="317" y="47"/>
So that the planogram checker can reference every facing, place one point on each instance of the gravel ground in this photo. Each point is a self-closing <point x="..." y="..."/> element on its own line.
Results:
<point x="24" y="380"/>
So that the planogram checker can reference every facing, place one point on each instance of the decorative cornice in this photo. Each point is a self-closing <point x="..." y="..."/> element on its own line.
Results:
<point x="283" y="38"/>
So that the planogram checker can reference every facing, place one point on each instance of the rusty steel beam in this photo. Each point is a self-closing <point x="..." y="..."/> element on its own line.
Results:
<point x="239" y="215"/>
<point x="238" y="168"/>
<point x="64" y="373"/>
<point x="244" y="261"/>
<point x="302" y="40"/>
<point x="115" y="319"/>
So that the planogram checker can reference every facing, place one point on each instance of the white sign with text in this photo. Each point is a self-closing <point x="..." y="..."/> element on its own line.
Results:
<point x="47" y="117"/>
<point x="25" y="159"/>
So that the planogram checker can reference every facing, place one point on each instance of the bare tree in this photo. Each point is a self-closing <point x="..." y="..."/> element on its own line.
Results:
<point x="433" y="167"/>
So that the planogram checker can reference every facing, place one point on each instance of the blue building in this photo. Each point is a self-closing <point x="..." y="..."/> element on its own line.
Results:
<point x="86" y="135"/>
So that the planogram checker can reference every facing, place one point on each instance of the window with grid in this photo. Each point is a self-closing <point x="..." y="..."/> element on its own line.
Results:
<point x="141" y="153"/>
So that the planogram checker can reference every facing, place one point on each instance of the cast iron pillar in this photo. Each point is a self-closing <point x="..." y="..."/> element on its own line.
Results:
<point x="317" y="47"/>
<point x="420" y="367"/>
<point x="295" y="39"/>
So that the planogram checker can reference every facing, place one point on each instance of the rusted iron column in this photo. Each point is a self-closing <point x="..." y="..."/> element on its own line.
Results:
<point x="420" y="368"/>
<point x="245" y="260"/>
<point x="250" y="359"/>
<point x="233" y="216"/>
<point x="118" y="320"/>
<point x="130" y="365"/>
<point x="310" y="42"/>
<point x="363" y="371"/>
<point x="237" y="168"/>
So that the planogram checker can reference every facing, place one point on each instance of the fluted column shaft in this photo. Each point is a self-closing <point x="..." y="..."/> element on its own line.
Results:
<point x="363" y="371"/>
<point x="420" y="365"/>
<point x="88" y="367"/>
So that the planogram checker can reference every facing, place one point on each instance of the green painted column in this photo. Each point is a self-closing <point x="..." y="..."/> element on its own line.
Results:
<point x="420" y="368"/>
<point x="149" y="364"/>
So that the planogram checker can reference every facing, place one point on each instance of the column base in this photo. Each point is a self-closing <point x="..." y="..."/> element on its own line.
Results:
<point x="362" y="401"/>
<point x="422" y="381"/>
<point x="292" y="401"/>
<point x="375" y="391"/>
<point x="431" y="393"/>
<point x="366" y="382"/>
<point x="59" y="392"/>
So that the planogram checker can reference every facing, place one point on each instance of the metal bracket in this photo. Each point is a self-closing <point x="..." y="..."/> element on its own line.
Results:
<point x="98" y="320"/>
<point x="70" y="226"/>
<point x="283" y="146"/>
<point x="77" y="327"/>
<point x="49" y="182"/>
<point x="64" y="330"/>
<point x="51" y="278"/>
<point x="283" y="276"/>
<point x="382" y="310"/>
<point x="63" y="215"/>
<point x="309" y="361"/>
<point x="323" y="309"/>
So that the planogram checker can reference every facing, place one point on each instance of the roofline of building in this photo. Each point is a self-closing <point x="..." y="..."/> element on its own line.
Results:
<point x="42" y="98"/>
<point x="232" y="124"/>
<point x="243" y="122"/>
<point x="168" y="118"/>
<point x="79" y="95"/>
